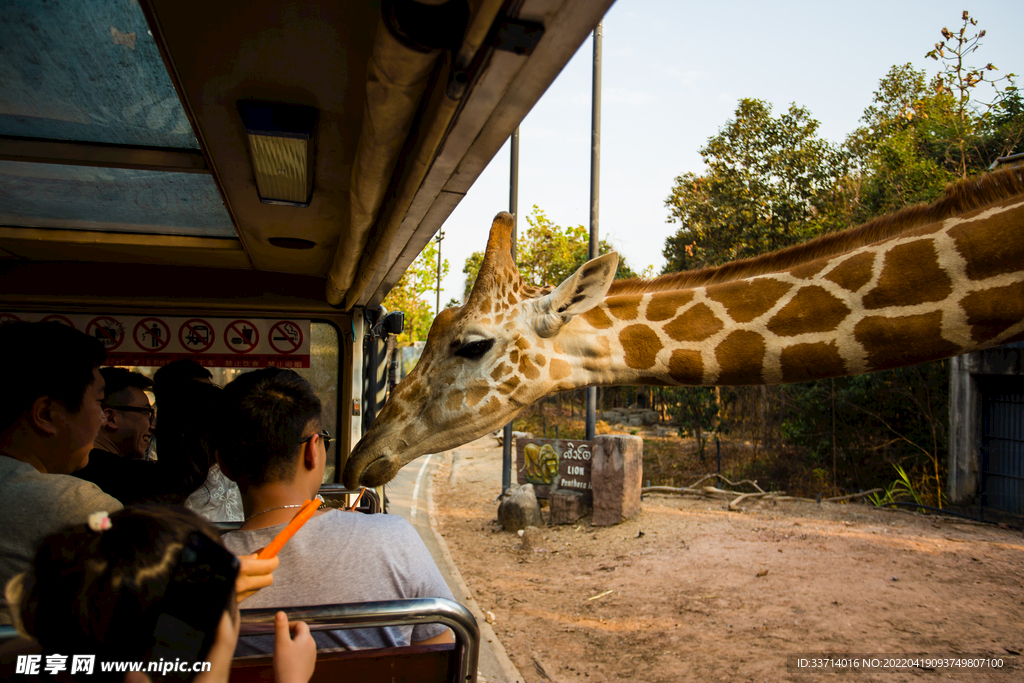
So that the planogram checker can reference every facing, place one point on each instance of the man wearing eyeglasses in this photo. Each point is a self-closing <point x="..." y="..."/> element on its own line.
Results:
<point x="273" y="445"/>
<point x="117" y="463"/>
<point x="129" y="416"/>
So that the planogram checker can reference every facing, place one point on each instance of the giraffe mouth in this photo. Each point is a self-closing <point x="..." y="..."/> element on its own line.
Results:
<point x="369" y="470"/>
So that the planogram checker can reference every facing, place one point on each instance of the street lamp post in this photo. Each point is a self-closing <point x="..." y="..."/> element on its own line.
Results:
<point x="440" y="236"/>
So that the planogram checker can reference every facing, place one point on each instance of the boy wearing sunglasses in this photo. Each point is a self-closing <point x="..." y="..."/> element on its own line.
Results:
<point x="275" y="448"/>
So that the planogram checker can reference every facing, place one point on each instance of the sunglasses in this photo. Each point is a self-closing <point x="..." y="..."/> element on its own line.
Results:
<point x="325" y="435"/>
<point x="148" y="412"/>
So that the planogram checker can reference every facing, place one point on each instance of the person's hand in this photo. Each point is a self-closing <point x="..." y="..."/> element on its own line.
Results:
<point x="253" y="575"/>
<point x="294" y="651"/>
<point x="223" y="650"/>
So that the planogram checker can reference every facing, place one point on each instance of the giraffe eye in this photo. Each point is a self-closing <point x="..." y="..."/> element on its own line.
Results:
<point x="475" y="350"/>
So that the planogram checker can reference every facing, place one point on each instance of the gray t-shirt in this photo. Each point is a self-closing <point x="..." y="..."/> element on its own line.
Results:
<point x="341" y="557"/>
<point x="34" y="505"/>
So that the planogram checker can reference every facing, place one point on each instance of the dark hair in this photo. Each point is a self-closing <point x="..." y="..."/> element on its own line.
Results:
<point x="119" y="379"/>
<point x="266" y="414"/>
<point x="179" y="371"/>
<point x="45" y="359"/>
<point x="188" y="421"/>
<point x="91" y="591"/>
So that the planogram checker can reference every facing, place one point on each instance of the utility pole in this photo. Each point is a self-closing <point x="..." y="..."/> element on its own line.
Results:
<point x="595" y="197"/>
<point x="440" y="236"/>
<point x="513" y="207"/>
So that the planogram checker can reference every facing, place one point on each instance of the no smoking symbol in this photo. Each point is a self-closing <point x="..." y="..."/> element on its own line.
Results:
<point x="107" y="330"/>
<point x="196" y="335"/>
<point x="152" y="335"/>
<point x="285" y="337"/>
<point x="241" y="336"/>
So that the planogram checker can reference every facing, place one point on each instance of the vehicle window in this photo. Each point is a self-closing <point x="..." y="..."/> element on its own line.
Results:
<point x="322" y="373"/>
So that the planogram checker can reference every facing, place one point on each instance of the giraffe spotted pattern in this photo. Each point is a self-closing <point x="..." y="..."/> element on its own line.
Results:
<point x="926" y="283"/>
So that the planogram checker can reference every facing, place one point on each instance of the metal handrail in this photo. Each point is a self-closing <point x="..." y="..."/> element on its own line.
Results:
<point x="411" y="612"/>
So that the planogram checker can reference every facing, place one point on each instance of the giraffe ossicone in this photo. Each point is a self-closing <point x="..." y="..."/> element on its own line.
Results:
<point x="922" y="284"/>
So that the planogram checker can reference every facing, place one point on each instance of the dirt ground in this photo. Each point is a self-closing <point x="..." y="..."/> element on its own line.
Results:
<point x="688" y="591"/>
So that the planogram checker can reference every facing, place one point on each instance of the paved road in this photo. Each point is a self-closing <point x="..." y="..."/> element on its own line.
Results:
<point x="408" y="495"/>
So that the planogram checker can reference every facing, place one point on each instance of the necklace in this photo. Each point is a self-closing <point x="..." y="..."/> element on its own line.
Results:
<point x="282" y="507"/>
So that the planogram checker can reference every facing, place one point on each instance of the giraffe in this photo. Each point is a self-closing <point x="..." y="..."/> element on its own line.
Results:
<point x="925" y="283"/>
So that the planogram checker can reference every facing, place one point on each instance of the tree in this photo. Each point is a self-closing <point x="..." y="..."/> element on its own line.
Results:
<point x="407" y="296"/>
<point x="770" y="183"/>
<point x="920" y="134"/>
<point x="698" y="412"/>
<point x="899" y="154"/>
<point x="955" y="87"/>
<point x="548" y="253"/>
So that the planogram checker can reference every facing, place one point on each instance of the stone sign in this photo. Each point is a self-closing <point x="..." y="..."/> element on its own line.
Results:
<point x="549" y="462"/>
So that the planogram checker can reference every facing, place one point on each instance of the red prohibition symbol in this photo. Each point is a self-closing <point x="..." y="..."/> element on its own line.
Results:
<point x="196" y="335"/>
<point x="152" y="335"/>
<point x="285" y="337"/>
<point x="107" y="330"/>
<point x="54" y="318"/>
<point x="241" y="336"/>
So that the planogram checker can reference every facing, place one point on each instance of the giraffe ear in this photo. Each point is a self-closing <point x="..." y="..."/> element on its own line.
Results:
<point x="580" y="292"/>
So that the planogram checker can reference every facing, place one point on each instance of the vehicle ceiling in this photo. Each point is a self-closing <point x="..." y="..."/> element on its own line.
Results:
<point x="121" y="139"/>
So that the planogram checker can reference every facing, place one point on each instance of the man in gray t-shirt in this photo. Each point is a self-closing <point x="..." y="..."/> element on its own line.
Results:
<point x="340" y="557"/>
<point x="50" y="413"/>
<point x="274" y="448"/>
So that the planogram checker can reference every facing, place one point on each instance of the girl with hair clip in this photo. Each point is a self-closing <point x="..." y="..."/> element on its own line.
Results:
<point x="145" y="584"/>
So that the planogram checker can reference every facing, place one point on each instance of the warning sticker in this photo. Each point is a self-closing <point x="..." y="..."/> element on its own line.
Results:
<point x="285" y="337"/>
<point x="152" y="335"/>
<point x="196" y="335"/>
<point x="242" y="336"/>
<point x="210" y="341"/>
<point x="109" y="331"/>
<point x="59" y="319"/>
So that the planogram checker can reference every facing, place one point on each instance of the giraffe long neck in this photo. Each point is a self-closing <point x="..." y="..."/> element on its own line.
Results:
<point x="932" y="292"/>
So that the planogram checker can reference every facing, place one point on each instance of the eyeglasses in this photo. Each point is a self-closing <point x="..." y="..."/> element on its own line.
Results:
<point x="325" y="435"/>
<point x="148" y="412"/>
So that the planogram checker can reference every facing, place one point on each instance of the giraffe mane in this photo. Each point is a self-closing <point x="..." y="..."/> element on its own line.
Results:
<point x="958" y="198"/>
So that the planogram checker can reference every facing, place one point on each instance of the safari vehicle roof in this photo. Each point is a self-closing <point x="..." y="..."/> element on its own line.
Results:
<point x="123" y="156"/>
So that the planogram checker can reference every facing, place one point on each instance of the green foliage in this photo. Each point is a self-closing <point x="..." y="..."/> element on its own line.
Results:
<point x="697" y="410"/>
<point x="548" y="253"/>
<point x="919" y="135"/>
<point x="858" y="424"/>
<point x="899" y="151"/>
<point x="471" y="270"/>
<point x="419" y="281"/>
<point x="899" y="491"/>
<point x="967" y="116"/>
<point x="770" y="182"/>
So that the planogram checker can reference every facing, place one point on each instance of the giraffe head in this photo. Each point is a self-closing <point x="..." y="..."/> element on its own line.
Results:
<point x="482" y="364"/>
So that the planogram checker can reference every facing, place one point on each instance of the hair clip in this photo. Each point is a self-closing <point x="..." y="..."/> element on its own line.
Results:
<point x="100" y="521"/>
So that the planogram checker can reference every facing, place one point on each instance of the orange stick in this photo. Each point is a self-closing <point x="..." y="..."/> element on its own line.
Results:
<point x="358" y="498"/>
<point x="308" y="508"/>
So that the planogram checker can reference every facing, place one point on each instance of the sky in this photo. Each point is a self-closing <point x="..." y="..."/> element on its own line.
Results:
<point x="672" y="75"/>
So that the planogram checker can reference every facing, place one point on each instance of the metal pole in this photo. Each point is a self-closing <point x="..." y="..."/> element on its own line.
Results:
<point x="595" y="196"/>
<point x="513" y="208"/>
<point x="440" y="236"/>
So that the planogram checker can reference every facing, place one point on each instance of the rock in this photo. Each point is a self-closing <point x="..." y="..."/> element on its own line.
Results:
<point x="519" y="509"/>
<point x="567" y="507"/>
<point x="500" y="436"/>
<point x="532" y="538"/>
<point x="616" y="476"/>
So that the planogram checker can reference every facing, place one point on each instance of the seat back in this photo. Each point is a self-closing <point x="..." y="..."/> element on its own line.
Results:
<point x="391" y="665"/>
<point x="422" y="663"/>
